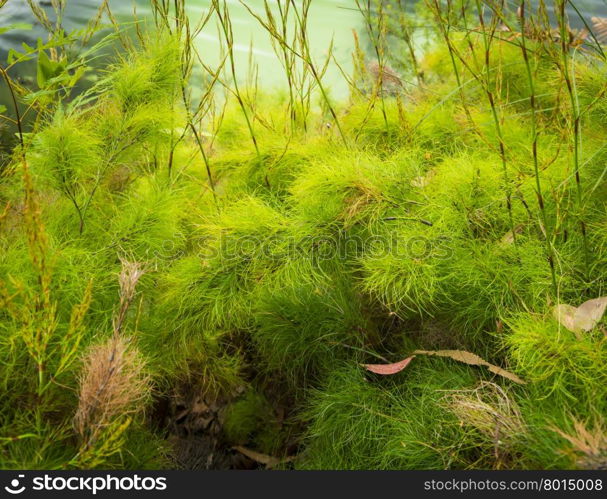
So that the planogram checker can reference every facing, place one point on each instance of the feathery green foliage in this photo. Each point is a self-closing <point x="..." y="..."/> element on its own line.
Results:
<point x="260" y="248"/>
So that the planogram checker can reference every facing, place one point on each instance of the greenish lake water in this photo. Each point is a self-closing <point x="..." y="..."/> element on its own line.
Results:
<point x="329" y="20"/>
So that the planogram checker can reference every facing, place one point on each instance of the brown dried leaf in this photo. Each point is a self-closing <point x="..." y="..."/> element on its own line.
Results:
<point x="388" y="369"/>
<point x="508" y="237"/>
<point x="258" y="457"/>
<point x="583" y="318"/>
<point x="565" y="314"/>
<point x="590" y="313"/>
<point x="473" y="360"/>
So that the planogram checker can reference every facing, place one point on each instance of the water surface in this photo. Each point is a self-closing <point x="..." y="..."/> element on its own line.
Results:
<point x="330" y="20"/>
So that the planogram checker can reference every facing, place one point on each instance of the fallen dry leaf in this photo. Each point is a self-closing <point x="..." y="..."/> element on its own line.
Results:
<point x="583" y="318"/>
<point x="509" y="236"/>
<point x="590" y="313"/>
<point x="387" y="369"/>
<point x="565" y="314"/>
<point x="258" y="457"/>
<point x="473" y="360"/>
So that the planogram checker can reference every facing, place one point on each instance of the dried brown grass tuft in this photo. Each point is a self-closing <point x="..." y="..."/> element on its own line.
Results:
<point x="129" y="277"/>
<point x="489" y="410"/>
<point x="114" y="382"/>
<point x="589" y="446"/>
<point x="360" y="198"/>
<point x="113" y="385"/>
<point x="389" y="78"/>
<point x="599" y="25"/>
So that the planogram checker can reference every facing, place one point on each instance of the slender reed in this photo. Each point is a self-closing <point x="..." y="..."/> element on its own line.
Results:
<point x="302" y="51"/>
<point x="534" y="143"/>
<point x="484" y="81"/>
<point x="376" y="35"/>
<point x="567" y="70"/>
<point x="223" y="15"/>
<point x="488" y="37"/>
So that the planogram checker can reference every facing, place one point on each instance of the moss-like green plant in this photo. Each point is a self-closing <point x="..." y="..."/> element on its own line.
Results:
<point x="260" y="250"/>
<point x="358" y="421"/>
<point x="561" y="365"/>
<point x="302" y="329"/>
<point x="250" y="420"/>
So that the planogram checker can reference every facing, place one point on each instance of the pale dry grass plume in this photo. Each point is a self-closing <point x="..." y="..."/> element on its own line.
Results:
<point x="390" y="80"/>
<point x="114" y="382"/>
<point x="129" y="277"/>
<point x="113" y="385"/>
<point x="589" y="446"/>
<point x="490" y="411"/>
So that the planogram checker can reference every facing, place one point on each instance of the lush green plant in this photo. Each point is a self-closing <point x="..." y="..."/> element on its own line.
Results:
<point x="261" y="249"/>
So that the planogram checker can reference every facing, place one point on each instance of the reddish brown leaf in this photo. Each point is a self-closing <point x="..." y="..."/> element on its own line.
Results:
<point x="388" y="369"/>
